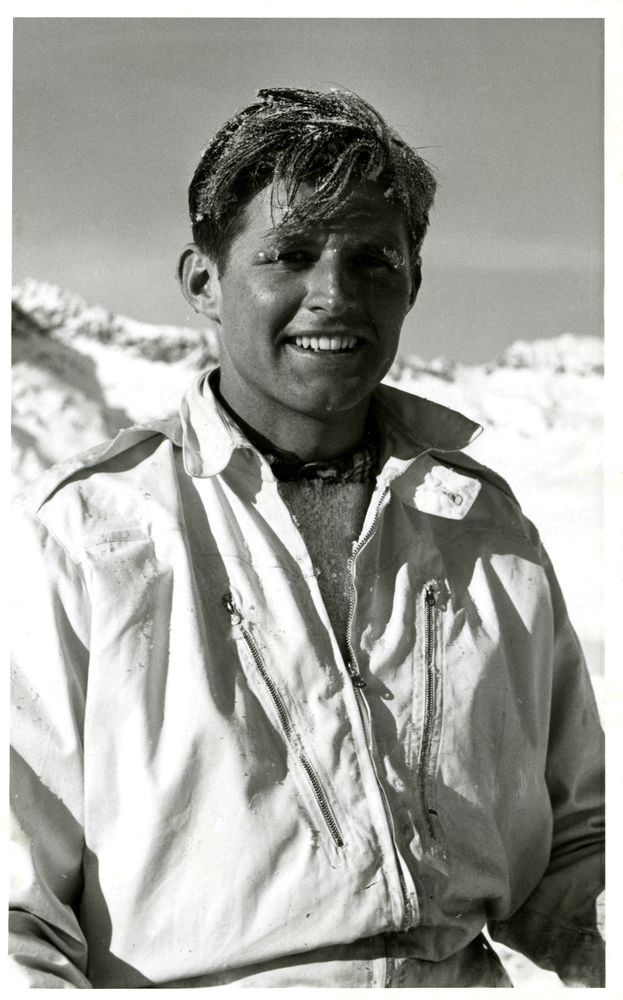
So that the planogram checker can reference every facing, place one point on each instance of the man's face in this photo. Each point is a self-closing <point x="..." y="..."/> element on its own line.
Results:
<point x="310" y="321"/>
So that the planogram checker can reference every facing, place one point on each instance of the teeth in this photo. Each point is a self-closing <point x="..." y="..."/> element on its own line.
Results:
<point x="325" y="343"/>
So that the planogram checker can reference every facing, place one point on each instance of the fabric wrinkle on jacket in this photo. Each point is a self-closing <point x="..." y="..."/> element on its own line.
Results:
<point x="223" y="789"/>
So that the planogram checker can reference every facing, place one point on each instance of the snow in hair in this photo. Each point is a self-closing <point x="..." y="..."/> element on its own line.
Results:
<point x="330" y="141"/>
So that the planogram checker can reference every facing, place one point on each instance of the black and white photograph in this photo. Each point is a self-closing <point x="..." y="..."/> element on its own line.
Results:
<point x="307" y="588"/>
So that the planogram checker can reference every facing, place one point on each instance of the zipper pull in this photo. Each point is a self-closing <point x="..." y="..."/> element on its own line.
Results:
<point x="354" y="675"/>
<point x="228" y="603"/>
<point x="436" y="594"/>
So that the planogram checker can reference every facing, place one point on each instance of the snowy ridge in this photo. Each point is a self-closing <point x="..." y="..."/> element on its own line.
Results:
<point x="573" y="353"/>
<point x="570" y="352"/>
<point x="64" y="316"/>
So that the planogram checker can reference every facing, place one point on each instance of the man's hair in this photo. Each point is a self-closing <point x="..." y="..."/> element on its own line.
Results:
<point x="331" y="141"/>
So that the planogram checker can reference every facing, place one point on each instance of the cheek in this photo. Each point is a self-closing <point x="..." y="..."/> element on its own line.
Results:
<point x="390" y="312"/>
<point x="388" y="295"/>
<point x="266" y="304"/>
<point x="241" y="312"/>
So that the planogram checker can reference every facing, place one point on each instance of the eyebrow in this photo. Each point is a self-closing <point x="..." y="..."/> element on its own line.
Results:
<point x="386" y="245"/>
<point x="385" y="235"/>
<point x="383" y="240"/>
<point x="279" y="235"/>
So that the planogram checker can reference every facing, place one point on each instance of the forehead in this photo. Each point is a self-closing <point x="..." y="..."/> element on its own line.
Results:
<point x="365" y="214"/>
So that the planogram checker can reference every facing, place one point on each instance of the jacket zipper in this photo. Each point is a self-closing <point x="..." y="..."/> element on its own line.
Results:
<point x="430" y="606"/>
<point x="359" y="683"/>
<point x="408" y="910"/>
<point x="285" y="722"/>
<point x="351" y="665"/>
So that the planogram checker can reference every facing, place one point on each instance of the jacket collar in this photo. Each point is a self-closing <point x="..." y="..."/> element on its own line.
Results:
<point x="410" y="425"/>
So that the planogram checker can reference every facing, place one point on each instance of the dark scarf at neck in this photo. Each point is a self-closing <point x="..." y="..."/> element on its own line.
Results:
<point x="359" y="465"/>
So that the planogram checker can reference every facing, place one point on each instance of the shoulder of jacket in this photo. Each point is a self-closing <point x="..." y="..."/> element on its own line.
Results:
<point x="460" y="460"/>
<point x="498" y="507"/>
<point x="35" y="495"/>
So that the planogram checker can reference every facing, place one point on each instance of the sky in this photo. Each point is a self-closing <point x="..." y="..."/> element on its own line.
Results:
<point x="111" y="114"/>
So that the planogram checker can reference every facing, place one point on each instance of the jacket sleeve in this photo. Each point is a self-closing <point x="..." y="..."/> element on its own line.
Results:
<point x="559" y="926"/>
<point x="50" y="637"/>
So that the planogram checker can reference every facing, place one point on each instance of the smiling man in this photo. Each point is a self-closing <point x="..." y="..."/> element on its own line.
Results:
<point x="297" y="699"/>
<point x="309" y="319"/>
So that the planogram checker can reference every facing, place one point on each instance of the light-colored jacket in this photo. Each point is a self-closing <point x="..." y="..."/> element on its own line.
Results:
<point x="203" y="784"/>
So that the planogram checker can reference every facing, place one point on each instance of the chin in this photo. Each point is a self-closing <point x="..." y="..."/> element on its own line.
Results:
<point x="342" y="401"/>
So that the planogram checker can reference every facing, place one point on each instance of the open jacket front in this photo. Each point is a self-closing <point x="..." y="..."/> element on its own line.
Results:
<point x="203" y="784"/>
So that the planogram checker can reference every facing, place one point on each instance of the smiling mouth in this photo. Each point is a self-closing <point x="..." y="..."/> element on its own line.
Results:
<point x="326" y="343"/>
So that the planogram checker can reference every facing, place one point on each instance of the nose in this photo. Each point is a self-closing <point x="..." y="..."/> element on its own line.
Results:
<point x="328" y="284"/>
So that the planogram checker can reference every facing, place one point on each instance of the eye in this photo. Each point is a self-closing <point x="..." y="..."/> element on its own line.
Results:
<point x="374" y="261"/>
<point x="292" y="258"/>
<point x="296" y="258"/>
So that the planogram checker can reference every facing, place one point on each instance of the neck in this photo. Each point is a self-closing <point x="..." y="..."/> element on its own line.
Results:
<point x="309" y="438"/>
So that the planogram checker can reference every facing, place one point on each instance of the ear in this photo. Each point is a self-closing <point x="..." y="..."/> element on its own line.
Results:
<point x="197" y="276"/>
<point x="416" y="281"/>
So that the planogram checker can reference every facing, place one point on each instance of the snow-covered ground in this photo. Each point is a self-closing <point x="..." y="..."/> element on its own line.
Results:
<point x="80" y="373"/>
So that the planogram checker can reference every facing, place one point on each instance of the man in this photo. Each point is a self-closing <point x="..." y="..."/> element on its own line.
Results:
<point x="297" y="699"/>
